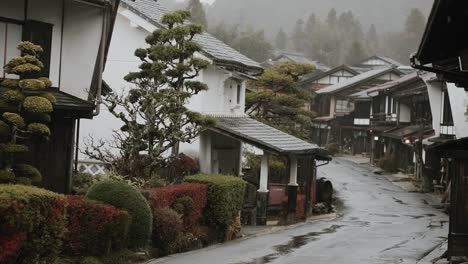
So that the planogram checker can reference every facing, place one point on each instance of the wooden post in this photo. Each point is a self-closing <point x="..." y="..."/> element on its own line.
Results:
<point x="262" y="193"/>
<point x="292" y="190"/>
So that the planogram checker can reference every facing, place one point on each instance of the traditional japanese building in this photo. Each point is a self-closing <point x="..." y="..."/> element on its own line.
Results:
<point x="75" y="36"/>
<point x="443" y="50"/>
<point x="339" y="125"/>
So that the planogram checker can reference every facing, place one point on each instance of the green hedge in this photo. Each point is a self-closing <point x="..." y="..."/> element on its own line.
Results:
<point x="125" y="197"/>
<point x="225" y="198"/>
<point x="39" y="215"/>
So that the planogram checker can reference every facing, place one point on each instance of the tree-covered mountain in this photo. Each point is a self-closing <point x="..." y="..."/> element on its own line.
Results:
<point x="271" y="15"/>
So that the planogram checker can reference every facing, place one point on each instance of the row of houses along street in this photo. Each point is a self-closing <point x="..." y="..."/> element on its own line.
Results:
<point x="402" y="119"/>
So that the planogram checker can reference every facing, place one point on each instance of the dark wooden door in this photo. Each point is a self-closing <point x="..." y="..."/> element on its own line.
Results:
<point x="458" y="236"/>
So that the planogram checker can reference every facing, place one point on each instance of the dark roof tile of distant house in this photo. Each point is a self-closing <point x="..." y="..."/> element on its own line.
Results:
<point x="217" y="50"/>
<point x="388" y="60"/>
<point x="312" y="78"/>
<point x="358" y="79"/>
<point x="406" y="79"/>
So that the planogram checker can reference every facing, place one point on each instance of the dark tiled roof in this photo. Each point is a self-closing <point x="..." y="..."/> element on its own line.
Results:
<point x="314" y="77"/>
<point x="263" y="136"/>
<point x="409" y="131"/>
<point x="390" y="61"/>
<point x="67" y="102"/>
<point x="358" y="79"/>
<point x="213" y="47"/>
<point x="410" y="78"/>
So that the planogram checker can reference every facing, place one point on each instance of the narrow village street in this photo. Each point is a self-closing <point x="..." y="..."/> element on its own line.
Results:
<point x="378" y="223"/>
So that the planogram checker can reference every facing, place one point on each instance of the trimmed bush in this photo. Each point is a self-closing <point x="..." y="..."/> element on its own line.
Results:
<point x="183" y="243"/>
<point x="94" y="229"/>
<point x="10" y="243"/>
<point x="167" y="226"/>
<point x="128" y="198"/>
<point x="225" y="198"/>
<point x="37" y="214"/>
<point x="168" y="196"/>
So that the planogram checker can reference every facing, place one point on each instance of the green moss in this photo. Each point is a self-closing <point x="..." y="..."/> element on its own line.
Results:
<point x="25" y="68"/>
<point x="47" y="82"/>
<point x="126" y="197"/>
<point x="36" y="104"/>
<point x="33" y="60"/>
<point x="10" y="83"/>
<point x="39" y="129"/>
<point x="29" y="48"/>
<point x="32" y="84"/>
<point x="6" y="176"/>
<point x="13" y="96"/>
<point x="27" y="171"/>
<point x="14" y="119"/>
<point x="49" y="97"/>
<point x="13" y="148"/>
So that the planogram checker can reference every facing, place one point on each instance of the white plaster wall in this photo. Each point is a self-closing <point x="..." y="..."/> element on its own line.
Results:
<point x="120" y="61"/>
<point x="81" y="38"/>
<point x="50" y="11"/>
<point x="434" y="90"/>
<point x="405" y="113"/>
<point x="13" y="35"/>
<point x="459" y="103"/>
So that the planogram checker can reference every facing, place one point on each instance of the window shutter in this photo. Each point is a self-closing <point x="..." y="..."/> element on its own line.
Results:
<point x="40" y="33"/>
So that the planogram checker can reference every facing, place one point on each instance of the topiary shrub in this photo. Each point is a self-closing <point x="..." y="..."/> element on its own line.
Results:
<point x="128" y="198"/>
<point x="225" y="199"/>
<point x="94" y="229"/>
<point x="36" y="220"/>
<point x="19" y="101"/>
<point x="180" y="194"/>
<point x="167" y="226"/>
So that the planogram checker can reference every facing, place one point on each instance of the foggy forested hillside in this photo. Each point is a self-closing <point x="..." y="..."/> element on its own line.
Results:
<point x="272" y="14"/>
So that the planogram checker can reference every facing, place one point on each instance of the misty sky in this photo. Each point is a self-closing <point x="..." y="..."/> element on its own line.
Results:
<point x="204" y="1"/>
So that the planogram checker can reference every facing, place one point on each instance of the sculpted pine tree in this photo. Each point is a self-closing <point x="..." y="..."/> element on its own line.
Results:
<point x="154" y="111"/>
<point x="24" y="113"/>
<point x="278" y="102"/>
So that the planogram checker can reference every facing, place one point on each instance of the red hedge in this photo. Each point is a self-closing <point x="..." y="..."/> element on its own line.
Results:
<point x="94" y="228"/>
<point x="10" y="244"/>
<point x="165" y="197"/>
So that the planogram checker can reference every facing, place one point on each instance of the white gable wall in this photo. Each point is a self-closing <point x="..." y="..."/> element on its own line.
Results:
<point x="82" y="33"/>
<point x="459" y="103"/>
<point x="434" y="90"/>
<point x="335" y="78"/>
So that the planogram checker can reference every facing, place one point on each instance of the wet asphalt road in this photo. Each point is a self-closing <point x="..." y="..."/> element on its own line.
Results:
<point x="379" y="223"/>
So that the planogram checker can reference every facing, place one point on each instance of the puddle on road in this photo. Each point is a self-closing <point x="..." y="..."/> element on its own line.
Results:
<point x="399" y="201"/>
<point x="295" y="243"/>
<point x="386" y="215"/>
